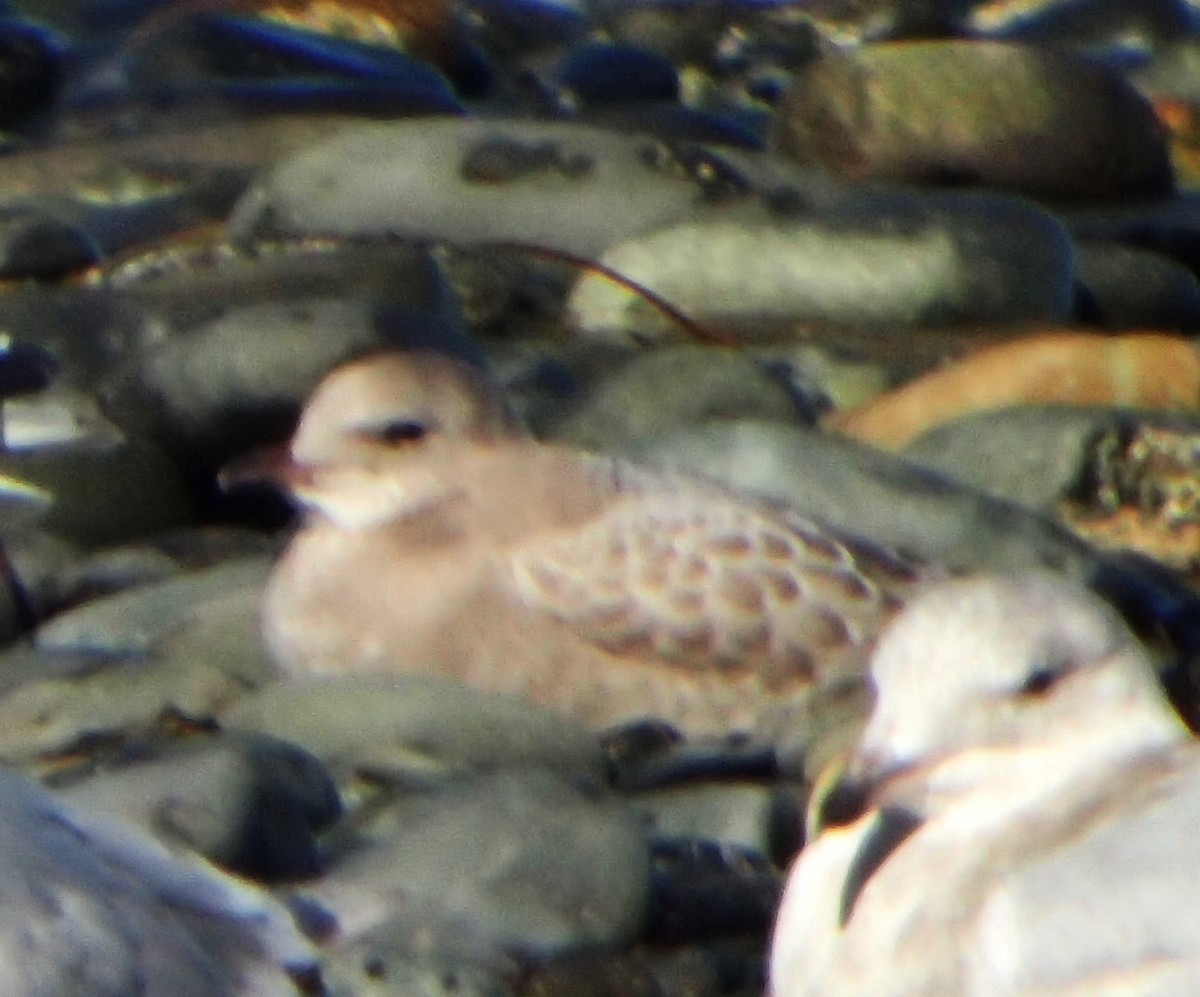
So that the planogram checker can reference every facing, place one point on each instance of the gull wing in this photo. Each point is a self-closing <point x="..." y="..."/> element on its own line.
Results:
<point x="675" y="572"/>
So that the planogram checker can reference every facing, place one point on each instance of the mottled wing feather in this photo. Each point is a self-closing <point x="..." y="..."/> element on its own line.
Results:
<point x="699" y="578"/>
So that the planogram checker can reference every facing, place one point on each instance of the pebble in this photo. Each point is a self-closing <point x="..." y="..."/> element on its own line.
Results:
<point x="864" y="491"/>
<point x="1055" y="442"/>
<point x="236" y="380"/>
<point x="115" y="664"/>
<point x="101" y="491"/>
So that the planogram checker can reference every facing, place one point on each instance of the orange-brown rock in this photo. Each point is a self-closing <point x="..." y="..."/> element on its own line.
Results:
<point x="1141" y="369"/>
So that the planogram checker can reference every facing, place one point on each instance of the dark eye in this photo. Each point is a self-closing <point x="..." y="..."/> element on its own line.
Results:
<point x="1041" y="680"/>
<point x="398" y="431"/>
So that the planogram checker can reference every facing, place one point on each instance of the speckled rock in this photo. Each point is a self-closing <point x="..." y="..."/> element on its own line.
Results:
<point x="1010" y="116"/>
<point x="550" y="184"/>
<point x="1032" y="454"/>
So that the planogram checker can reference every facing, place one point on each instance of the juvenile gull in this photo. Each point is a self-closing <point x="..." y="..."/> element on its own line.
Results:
<point x="1030" y="806"/>
<point x="439" y="537"/>
<point x="89" y="907"/>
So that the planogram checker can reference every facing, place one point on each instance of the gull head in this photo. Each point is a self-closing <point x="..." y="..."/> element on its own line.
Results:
<point x="382" y="438"/>
<point x="368" y="410"/>
<point x="993" y="667"/>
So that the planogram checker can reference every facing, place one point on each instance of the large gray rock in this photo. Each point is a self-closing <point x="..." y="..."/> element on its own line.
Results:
<point x="416" y="726"/>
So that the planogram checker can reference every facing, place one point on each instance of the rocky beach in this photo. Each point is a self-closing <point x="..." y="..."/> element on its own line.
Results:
<point x="921" y="272"/>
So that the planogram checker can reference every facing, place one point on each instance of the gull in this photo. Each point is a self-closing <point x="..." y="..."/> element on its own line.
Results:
<point x="438" y="537"/>
<point x="91" y="907"/>
<point x="1026" y="804"/>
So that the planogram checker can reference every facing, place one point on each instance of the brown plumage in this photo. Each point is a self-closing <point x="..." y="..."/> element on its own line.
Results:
<point x="438" y="537"/>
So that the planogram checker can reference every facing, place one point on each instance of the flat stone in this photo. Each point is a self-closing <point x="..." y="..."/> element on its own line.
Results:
<point x="416" y="726"/>
<point x="556" y="185"/>
<point x="114" y="665"/>
<point x="517" y="861"/>
<point x="891" y="260"/>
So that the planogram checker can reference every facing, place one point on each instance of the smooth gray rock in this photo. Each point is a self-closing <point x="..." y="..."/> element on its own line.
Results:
<point x="678" y="385"/>
<point x="881" y="259"/>
<point x="253" y="804"/>
<point x="103" y="492"/>
<point x="1032" y="454"/>
<point x="558" y="185"/>
<point x="239" y="380"/>
<point x="190" y="644"/>
<point x="871" y="494"/>
<point x="92" y="906"/>
<point x="416" y="726"/>
<point x="134" y="622"/>
<point x="517" y="861"/>
<point x="1123" y="287"/>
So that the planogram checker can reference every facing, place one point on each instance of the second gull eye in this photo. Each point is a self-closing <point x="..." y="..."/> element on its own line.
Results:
<point x="398" y="431"/>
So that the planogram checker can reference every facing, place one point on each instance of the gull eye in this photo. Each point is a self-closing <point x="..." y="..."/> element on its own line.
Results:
<point x="1040" y="680"/>
<point x="397" y="432"/>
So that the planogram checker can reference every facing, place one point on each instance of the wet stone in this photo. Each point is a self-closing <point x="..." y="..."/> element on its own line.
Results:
<point x="103" y="491"/>
<point x="614" y="73"/>
<point x="253" y="804"/>
<point x="237" y="382"/>
<point x="1030" y="454"/>
<point x="42" y="247"/>
<point x="131" y="623"/>
<point x="868" y="493"/>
